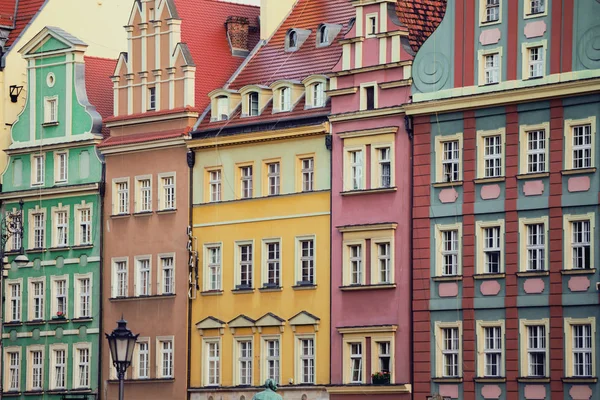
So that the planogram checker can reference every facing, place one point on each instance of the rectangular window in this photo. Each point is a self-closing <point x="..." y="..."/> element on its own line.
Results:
<point x="245" y="362"/>
<point x="62" y="225"/>
<point x="492" y="10"/>
<point x="85" y="226"/>
<point x="15" y="301"/>
<point x="84" y="298"/>
<point x="582" y="350"/>
<point x="122" y="197"/>
<point x="222" y="108"/>
<point x="14" y="371"/>
<point x="286" y="99"/>
<point x="143" y="360"/>
<point x="307" y="360"/>
<point x="37" y="370"/>
<point x="151" y="98"/>
<point x="307" y="262"/>
<point x="356" y="171"/>
<point x="537" y="7"/>
<point x="536" y="247"/>
<point x="215" y="185"/>
<point x="245" y="265"/>
<point x="356" y="363"/>
<point x="273" y="264"/>
<point x="253" y="104"/>
<point x="491" y="250"/>
<point x="145" y="187"/>
<point x="166" y="358"/>
<point x="121" y="279"/>
<point x="51" y="110"/>
<point x="246" y="182"/>
<point x="83" y="367"/>
<point x="536" y="62"/>
<point x="581" y="244"/>
<point x="492" y="68"/>
<point x="451" y="161"/>
<point x="37" y="289"/>
<point x="450" y="252"/>
<point x="356" y="264"/>
<point x="214" y="267"/>
<point x="272" y="359"/>
<point x="536" y="350"/>
<point x="214" y="363"/>
<point x="61" y="167"/>
<point x="60" y="290"/>
<point x="384" y="262"/>
<point x="372" y="25"/>
<point x="60" y="369"/>
<point x="38" y="169"/>
<point x="385" y="356"/>
<point x="39" y="230"/>
<point x="143" y="279"/>
<point x="16" y="240"/>
<point x="168" y="189"/>
<point x="318" y="95"/>
<point x="168" y="275"/>
<point x="385" y="167"/>
<point x="492" y="156"/>
<point x="370" y="97"/>
<point x="492" y="351"/>
<point x="273" y="178"/>
<point x="536" y="151"/>
<point x="582" y="146"/>
<point x="307" y="174"/>
<point x="450" y="352"/>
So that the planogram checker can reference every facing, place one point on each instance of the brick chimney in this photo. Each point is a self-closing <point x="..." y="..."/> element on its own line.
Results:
<point x="237" y="33"/>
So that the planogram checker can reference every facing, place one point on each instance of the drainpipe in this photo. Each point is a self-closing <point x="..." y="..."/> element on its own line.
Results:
<point x="408" y="124"/>
<point x="191" y="160"/>
<point x="101" y="273"/>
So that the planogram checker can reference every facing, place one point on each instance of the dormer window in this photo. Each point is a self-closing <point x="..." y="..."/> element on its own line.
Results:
<point x="252" y="104"/>
<point x="292" y="40"/>
<point x="318" y="99"/>
<point x="222" y="108"/>
<point x="286" y="99"/>
<point x="323" y="35"/>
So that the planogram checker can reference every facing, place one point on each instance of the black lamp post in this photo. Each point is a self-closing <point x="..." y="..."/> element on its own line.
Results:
<point x="121" y="343"/>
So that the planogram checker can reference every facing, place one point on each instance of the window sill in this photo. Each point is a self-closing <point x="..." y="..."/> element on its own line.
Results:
<point x="447" y="278"/>
<point x="144" y="380"/>
<point x="11" y="394"/>
<point x="211" y="293"/>
<point x="534" y="78"/>
<point x="447" y="184"/>
<point x="242" y="290"/>
<point x="34" y="322"/>
<point x="117" y="216"/>
<point x="352" y="288"/>
<point x="143" y="213"/>
<point x="495" y="379"/>
<point x="167" y="211"/>
<point x="447" y="380"/>
<point x="525" y="274"/>
<point x="533" y="379"/>
<point x="133" y="298"/>
<point x="59" y="248"/>
<point x="37" y="250"/>
<point x="266" y="289"/>
<point x="33" y="393"/>
<point x="82" y="247"/>
<point x="535" y="175"/>
<point x="304" y="286"/>
<point x="579" y="171"/>
<point x="494" y="179"/>
<point x="590" y="271"/>
<point x="13" y="323"/>
<point x="489" y="276"/>
<point x="47" y="124"/>
<point x="82" y="319"/>
<point x="58" y="321"/>
<point x="369" y="191"/>
<point x="573" y="379"/>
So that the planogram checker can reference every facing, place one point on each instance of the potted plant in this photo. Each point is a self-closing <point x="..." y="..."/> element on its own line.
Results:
<point x="60" y="315"/>
<point x="381" y="378"/>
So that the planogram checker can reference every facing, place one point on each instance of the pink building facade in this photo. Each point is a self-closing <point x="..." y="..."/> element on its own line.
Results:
<point x="371" y="192"/>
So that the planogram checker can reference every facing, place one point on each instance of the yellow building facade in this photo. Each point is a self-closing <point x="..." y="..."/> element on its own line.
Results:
<point x="262" y="237"/>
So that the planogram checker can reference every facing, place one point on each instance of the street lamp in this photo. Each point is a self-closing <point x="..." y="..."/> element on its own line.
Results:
<point x="121" y="343"/>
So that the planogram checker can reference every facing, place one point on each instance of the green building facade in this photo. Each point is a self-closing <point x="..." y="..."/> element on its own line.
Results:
<point x="51" y="331"/>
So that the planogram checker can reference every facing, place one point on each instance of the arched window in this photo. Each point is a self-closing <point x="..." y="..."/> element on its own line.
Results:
<point x="253" y="104"/>
<point x="318" y="95"/>
<point x="292" y="40"/>
<point x="222" y="108"/>
<point x="323" y="35"/>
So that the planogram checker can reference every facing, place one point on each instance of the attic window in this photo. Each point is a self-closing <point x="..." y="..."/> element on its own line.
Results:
<point x="323" y="35"/>
<point x="286" y="99"/>
<point x="318" y="97"/>
<point x="222" y="108"/>
<point x="292" y="40"/>
<point x="252" y="104"/>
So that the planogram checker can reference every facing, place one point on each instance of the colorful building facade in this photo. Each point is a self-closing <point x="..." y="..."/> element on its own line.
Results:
<point x="261" y="214"/>
<point x="52" y="305"/>
<point x="160" y="87"/>
<point x="505" y="205"/>
<point x="371" y="191"/>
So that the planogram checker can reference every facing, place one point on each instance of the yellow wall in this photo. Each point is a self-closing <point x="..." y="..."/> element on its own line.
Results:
<point x="272" y="13"/>
<point x="285" y="303"/>
<point x="99" y="23"/>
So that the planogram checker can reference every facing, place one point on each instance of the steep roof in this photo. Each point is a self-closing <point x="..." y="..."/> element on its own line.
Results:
<point x="7" y="12"/>
<point x="272" y="62"/>
<point x="99" y="86"/>
<point x="26" y="11"/>
<point x="203" y="30"/>
<point x="422" y="18"/>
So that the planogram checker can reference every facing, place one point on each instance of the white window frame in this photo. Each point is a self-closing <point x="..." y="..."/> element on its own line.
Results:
<point x="440" y="156"/>
<point x="77" y="365"/>
<point x="83" y="236"/>
<point x="9" y="299"/>
<point x="32" y="282"/>
<point x="207" y="359"/>
<point x="483" y="21"/>
<point x="525" y="246"/>
<point x="440" y="229"/>
<point x="569" y="345"/>
<point x="53" y="349"/>
<point x="121" y="206"/>
<point x="58" y="239"/>
<point x="31" y="384"/>
<point x="318" y="94"/>
<point x="267" y="358"/>
<point x="355" y="177"/>
<point x="276" y="263"/>
<point x="481" y="63"/>
<point x="249" y="99"/>
<point x="80" y="294"/>
<point x="526" y="62"/>
<point x="54" y="293"/>
<point x="222" y="103"/>
<point x="167" y="195"/>
<point x="525" y="152"/>
<point x="482" y="136"/>
<point x="352" y="357"/>
<point x="162" y="277"/>
<point x="160" y="356"/>
<point x="115" y="277"/>
<point x="273" y="178"/>
<point x="440" y="346"/>
<point x="526" y="349"/>
<point x="354" y="263"/>
<point x="285" y="99"/>
<point x="61" y="172"/>
<point x="34" y="229"/>
<point x="8" y="368"/>
<point x="299" y="259"/>
<point x="238" y="265"/>
<point x="376" y="259"/>
<point x="371" y="25"/>
<point x="38" y="170"/>
<point x="364" y="103"/>
<point x="528" y="9"/>
<point x="568" y="220"/>
<point x="301" y="358"/>
<point x="239" y="360"/>
<point x="137" y="364"/>
<point x="215" y="186"/>
<point x="152" y="98"/>
<point x="143" y="201"/>
<point x="51" y="109"/>
<point x="570" y="125"/>
<point x="307" y="174"/>
<point x="210" y="265"/>
<point x="377" y="178"/>
<point x="139" y="262"/>
<point x="482" y="351"/>
<point x="246" y="181"/>
<point x="479" y="232"/>
<point x="491" y="71"/>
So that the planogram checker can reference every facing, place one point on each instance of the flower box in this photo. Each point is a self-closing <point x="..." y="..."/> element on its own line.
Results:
<point x="381" y="378"/>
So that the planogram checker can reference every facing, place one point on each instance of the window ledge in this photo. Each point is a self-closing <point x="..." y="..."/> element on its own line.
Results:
<point x="133" y="298"/>
<point x="524" y="274"/>
<point x="34" y="322"/>
<point x="117" y="216"/>
<point x="36" y="250"/>
<point x="143" y="380"/>
<point x="143" y="213"/>
<point x="573" y="379"/>
<point x="536" y="175"/>
<point x="579" y="171"/>
<point x="58" y="321"/>
<point x="533" y="78"/>
<point x="242" y="290"/>
<point x="490" y="379"/>
<point x="46" y="124"/>
<point x="211" y="293"/>
<point x="590" y="271"/>
<point x="533" y="379"/>
<point x="82" y="319"/>
<point x="59" y="248"/>
<point x="167" y="211"/>
<point x="490" y="180"/>
<point x="489" y="276"/>
<point x="11" y="394"/>
<point x="13" y="323"/>
<point x="82" y="246"/>
<point x="447" y="184"/>
<point x="448" y="380"/>
<point x="351" y="288"/>
<point x="304" y="287"/>
<point x="270" y="289"/>
<point x="33" y="393"/>
<point x="447" y="278"/>
<point x="369" y="191"/>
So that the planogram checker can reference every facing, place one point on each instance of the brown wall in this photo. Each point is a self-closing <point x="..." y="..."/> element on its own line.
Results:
<point x="151" y="234"/>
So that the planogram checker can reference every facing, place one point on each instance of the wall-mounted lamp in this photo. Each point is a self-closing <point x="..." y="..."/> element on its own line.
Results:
<point x="15" y="91"/>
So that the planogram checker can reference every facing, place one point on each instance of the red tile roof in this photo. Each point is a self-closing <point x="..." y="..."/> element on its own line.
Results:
<point x="422" y="18"/>
<point x="142" y="137"/>
<point x="272" y="62"/>
<point x="99" y="86"/>
<point x="203" y="30"/>
<point x="26" y="11"/>
<point x="149" y="114"/>
<point x="7" y="12"/>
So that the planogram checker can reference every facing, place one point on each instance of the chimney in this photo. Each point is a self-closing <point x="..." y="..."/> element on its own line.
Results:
<point x="237" y="33"/>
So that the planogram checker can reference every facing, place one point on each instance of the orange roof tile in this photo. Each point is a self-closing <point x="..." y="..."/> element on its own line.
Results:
<point x="99" y="86"/>
<point x="422" y="18"/>
<point x="142" y="137"/>
<point x="26" y="11"/>
<point x="7" y="12"/>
